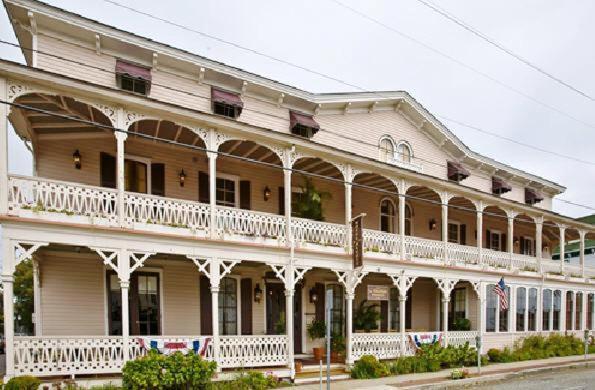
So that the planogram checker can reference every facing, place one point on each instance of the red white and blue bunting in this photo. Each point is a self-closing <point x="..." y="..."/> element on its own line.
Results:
<point x="419" y="339"/>
<point x="198" y="345"/>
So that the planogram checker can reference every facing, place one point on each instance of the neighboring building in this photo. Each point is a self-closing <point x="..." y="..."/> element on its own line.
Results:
<point x="572" y="249"/>
<point x="201" y="234"/>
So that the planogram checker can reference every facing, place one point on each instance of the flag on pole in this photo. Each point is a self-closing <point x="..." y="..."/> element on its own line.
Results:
<point x="500" y="290"/>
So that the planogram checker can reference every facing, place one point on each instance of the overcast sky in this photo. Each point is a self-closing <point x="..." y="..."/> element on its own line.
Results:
<point x="321" y="35"/>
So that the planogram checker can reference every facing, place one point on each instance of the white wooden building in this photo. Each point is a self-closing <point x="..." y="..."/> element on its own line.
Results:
<point x="161" y="206"/>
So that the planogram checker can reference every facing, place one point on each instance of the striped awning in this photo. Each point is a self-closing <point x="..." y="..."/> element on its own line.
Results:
<point x="499" y="186"/>
<point x="456" y="171"/>
<point x="532" y="196"/>
<point x="132" y="70"/>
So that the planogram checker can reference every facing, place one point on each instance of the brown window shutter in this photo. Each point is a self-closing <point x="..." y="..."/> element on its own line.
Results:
<point x="463" y="234"/>
<point x="503" y="243"/>
<point x="245" y="195"/>
<point x="488" y="239"/>
<point x="203" y="187"/>
<point x="246" y="306"/>
<point x="408" y="310"/>
<point x="319" y="305"/>
<point x="281" y="201"/>
<point x="158" y="179"/>
<point x="206" y="307"/>
<point x="384" y="316"/>
<point x="107" y="170"/>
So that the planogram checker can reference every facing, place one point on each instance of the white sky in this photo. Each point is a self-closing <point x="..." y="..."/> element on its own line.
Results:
<point x="321" y="35"/>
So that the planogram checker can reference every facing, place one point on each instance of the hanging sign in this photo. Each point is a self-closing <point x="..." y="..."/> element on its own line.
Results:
<point x="378" y="293"/>
<point x="357" y="240"/>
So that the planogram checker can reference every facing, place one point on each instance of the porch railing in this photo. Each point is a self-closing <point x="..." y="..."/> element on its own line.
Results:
<point x="496" y="259"/>
<point x="524" y="262"/>
<point x="253" y="351"/>
<point x="377" y="241"/>
<point x="423" y="248"/>
<point x="381" y="345"/>
<point x="461" y="337"/>
<point x="250" y="223"/>
<point x="316" y="232"/>
<point x="462" y="253"/>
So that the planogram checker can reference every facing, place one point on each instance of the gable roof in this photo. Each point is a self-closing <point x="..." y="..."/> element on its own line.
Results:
<point x="411" y="109"/>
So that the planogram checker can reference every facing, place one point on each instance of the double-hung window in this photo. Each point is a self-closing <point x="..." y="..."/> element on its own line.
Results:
<point x="227" y="190"/>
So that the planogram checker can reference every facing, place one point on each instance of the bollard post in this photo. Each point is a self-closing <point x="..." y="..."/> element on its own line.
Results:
<point x="478" y="347"/>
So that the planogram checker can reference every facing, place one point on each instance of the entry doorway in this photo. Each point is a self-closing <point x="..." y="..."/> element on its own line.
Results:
<point x="276" y="316"/>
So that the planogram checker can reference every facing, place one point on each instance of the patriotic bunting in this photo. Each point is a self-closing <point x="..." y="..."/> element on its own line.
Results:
<point x="198" y="346"/>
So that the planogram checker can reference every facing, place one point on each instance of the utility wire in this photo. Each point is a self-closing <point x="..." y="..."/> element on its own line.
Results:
<point x="258" y="162"/>
<point x="501" y="47"/>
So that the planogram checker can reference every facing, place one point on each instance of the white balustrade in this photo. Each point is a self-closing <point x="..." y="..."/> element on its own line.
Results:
<point x="457" y="338"/>
<point x="48" y="355"/>
<point x="423" y="248"/>
<point x="135" y="350"/>
<point x="496" y="259"/>
<point x="253" y="351"/>
<point x="151" y="209"/>
<point x="550" y="266"/>
<point x="316" y="232"/>
<point x="381" y="345"/>
<point x="250" y="223"/>
<point x="524" y="262"/>
<point x="573" y="270"/>
<point x="62" y="198"/>
<point x="377" y="241"/>
<point x="462" y="253"/>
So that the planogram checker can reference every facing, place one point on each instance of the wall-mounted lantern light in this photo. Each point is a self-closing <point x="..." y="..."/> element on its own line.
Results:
<point x="76" y="157"/>
<point x="267" y="193"/>
<point x="432" y="224"/>
<point x="257" y="293"/>
<point x="313" y="295"/>
<point x="182" y="178"/>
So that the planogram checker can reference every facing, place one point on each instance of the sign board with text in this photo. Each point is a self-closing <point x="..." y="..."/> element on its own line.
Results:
<point x="357" y="241"/>
<point x="378" y="293"/>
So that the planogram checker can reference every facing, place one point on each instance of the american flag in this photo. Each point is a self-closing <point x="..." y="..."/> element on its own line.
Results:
<point x="500" y="290"/>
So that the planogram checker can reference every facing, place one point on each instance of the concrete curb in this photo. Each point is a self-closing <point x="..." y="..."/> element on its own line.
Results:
<point x="496" y="377"/>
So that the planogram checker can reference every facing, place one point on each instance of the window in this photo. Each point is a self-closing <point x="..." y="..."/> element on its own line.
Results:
<point x="225" y="109"/>
<point x="521" y="308"/>
<point x="503" y="314"/>
<point x="408" y="220"/>
<point x="387" y="216"/>
<point x="228" y="307"/>
<point x="578" y="317"/>
<point x="227" y="191"/>
<point x="386" y="149"/>
<point x="590" y="302"/>
<point x="337" y="316"/>
<point x="457" y="233"/>
<point x="302" y="131"/>
<point x="547" y="309"/>
<point x="394" y="313"/>
<point x="148" y="304"/>
<point x="569" y="299"/>
<point x="457" y="309"/>
<point x="404" y="153"/>
<point x="128" y="83"/>
<point x="491" y="308"/>
<point x="135" y="176"/>
<point x="496" y="241"/>
<point x="532" y="310"/>
<point x="527" y="245"/>
<point x="557" y="309"/>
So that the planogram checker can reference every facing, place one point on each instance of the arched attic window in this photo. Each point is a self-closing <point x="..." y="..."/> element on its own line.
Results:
<point x="386" y="148"/>
<point x="404" y="152"/>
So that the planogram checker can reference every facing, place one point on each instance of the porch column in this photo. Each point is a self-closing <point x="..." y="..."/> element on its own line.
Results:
<point x="562" y="245"/>
<point x="581" y="255"/>
<point x="120" y="139"/>
<point x="212" y="156"/>
<point x="289" y="326"/>
<point x="124" y="275"/>
<point x="402" y="319"/>
<point x="539" y="313"/>
<point x="445" y="301"/>
<point x="36" y="298"/>
<point x="509" y="237"/>
<point x="3" y="150"/>
<point x="348" y="216"/>
<point x="479" y="225"/>
<point x="481" y="301"/>
<point x="539" y="242"/>
<point x="573" y="314"/>
<point x="563" y="311"/>
<point x="8" y="301"/>
<point x="349" y="314"/>
<point x="512" y="308"/>
<point x="445" y="226"/>
<point x="585" y="297"/>
<point x="402" y="223"/>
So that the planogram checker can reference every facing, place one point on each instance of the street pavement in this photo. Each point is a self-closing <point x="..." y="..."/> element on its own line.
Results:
<point x="568" y="379"/>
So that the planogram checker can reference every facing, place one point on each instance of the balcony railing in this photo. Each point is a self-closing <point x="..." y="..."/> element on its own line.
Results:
<point x="59" y="201"/>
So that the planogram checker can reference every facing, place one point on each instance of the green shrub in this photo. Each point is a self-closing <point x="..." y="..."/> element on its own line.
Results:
<point x="156" y="371"/>
<point x="26" y="382"/>
<point x="461" y="324"/>
<point x="368" y="367"/>
<point x="253" y="380"/>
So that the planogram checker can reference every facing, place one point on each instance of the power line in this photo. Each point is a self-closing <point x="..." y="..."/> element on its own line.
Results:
<point x="253" y="161"/>
<point x="501" y="47"/>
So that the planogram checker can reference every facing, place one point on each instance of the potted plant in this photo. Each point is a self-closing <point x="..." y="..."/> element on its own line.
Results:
<point x="316" y="330"/>
<point x="309" y="202"/>
<point x="337" y="347"/>
<point x="461" y="324"/>
<point x="366" y="317"/>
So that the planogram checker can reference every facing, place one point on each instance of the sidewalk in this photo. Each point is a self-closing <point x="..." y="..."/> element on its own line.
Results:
<point x="440" y="379"/>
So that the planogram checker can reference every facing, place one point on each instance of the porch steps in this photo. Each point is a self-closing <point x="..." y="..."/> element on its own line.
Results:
<point x="311" y="374"/>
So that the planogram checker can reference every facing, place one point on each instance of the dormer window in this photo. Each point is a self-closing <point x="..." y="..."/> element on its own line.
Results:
<point x="499" y="186"/>
<point x="226" y="103"/>
<point x="132" y="77"/>
<point x="386" y="149"/>
<point x="303" y="125"/>
<point x="456" y="171"/>
<point x="404" y="152"/>
<point x="532" y="197"/>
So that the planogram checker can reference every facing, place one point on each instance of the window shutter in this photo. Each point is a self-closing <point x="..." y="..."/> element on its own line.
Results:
<point x="107" y="170"/>
<point x="245" y="195"/>
<point x="384" y="316"/>
<point x="246" y="306"/>
<point x="281" y="201"/>
<point x="503" y="242"/>
<point x="158" y="179"/>
<point x="408" y="310"/>
<point x="206" y="305"/>
<point x="463" y="234"/>
<point x="522" y="244"/>
<point x="488" y="239"/>
<point x="319" y="305"/>
<point x="534" y="248"/>
<point x="203" y="187"/>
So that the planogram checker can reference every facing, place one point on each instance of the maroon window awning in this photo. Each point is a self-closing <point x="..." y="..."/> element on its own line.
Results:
<point x="304" y="120"/>
<point x="499" y="186"/>
<point x="133" y="70"/>
<point x="532" y="196"/>
<point x="226" y="97"/>
<point x="456" y="171"/>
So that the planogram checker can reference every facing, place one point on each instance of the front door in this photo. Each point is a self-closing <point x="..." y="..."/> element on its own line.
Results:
<point x="275" y="307"/>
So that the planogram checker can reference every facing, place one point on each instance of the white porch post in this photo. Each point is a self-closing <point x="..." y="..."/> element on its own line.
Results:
<point x="215" y="280"/>
<point x="212" y="156"/>
<point x="349" y="313"/>
<point x="479" y="225"/>
<point x="37" y="298"/>
<point x="120" y="138"/>
<point x="402" y="224"/>
<point x="509" y="237"/>
<point x="289" y="292"/>
<point x="562" y="245"/>
<point x="124" y="274"/>
<point x="539" y="242"/>
<point x="512" y="308"/>
<point x="573" y="314"/>
<point x="480" y="291"/>
<point x="539" y="319"/>
<point x="585" y="298"/>
<point x="8" y="301"/>
<point x="563" y="310"/>
<point x="402" y="321"/>
<point x="445" y="286"/>
<point x="348" y="217"/>
<point x="581" y="255"/>
<point x="287" y="164"/>
<point x="3" y="150"/>
<point x="445" y="225"/>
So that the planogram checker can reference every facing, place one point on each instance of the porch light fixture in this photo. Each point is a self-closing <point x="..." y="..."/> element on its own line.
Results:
<point x="76" y="157"/>
<point x="257" y="293"/>
<point x="313" y="295"/>
<point x="267" y="193"/>
<point x="432" y="224"/>
<point x="182" y="178"/>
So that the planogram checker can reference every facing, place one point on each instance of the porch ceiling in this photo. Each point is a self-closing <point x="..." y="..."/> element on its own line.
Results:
<point x="318" y="167"/>
<point x="250" y="150"/>
<point x="376" y="181"/>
